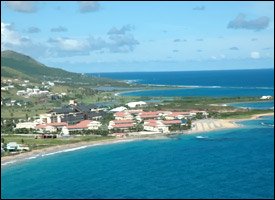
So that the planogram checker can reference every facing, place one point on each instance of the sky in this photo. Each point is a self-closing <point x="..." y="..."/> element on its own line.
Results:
<point x="102" y="36"/>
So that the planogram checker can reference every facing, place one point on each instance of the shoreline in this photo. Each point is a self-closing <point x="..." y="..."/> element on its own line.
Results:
<point x="67" y="148"/>
<point x="222" y="125"/>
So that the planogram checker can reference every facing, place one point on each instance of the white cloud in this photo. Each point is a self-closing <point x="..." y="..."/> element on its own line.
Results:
<point x="69" y="44"/>
<point x="9" y="36"/>
<point x="22" y="6"/>
<point x="255" y="55"/>
<point x="88" y="6"/>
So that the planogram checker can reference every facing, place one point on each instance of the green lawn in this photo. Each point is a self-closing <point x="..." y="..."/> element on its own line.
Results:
<point x="43" y="143"/>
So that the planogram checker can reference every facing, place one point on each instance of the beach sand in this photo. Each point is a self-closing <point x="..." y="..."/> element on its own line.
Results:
<point x="204" y="125"/>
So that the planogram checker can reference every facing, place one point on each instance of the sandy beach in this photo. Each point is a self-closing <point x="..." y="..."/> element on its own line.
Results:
<point x="204" y="125"/>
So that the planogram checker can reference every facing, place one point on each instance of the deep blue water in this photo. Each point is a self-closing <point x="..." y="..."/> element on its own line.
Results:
<point x="210" y="83"/>
<point x="230" y="78"/>
<point x="255" y="105"/>
<point x="236" y="163"/>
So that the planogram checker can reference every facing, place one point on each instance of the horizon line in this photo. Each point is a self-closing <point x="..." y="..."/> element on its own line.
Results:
<point x="177" y="71"/>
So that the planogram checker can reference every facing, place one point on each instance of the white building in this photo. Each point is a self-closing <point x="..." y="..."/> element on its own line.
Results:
<point x="50" y="83"/>
<point x="155" y="125"/>
<point x="136" y="104"/>
<point x="266" y="97"/>
<point x="13" y="146"/>
<point x="118" y="109"/>
<point x="82" y="125"/>
<point x="27" y="125"/>
<point x="21" y="92"/>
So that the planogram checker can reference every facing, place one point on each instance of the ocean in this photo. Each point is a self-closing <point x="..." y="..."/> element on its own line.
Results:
<point x="235" y="163"/>
<point x="230" y="83"/>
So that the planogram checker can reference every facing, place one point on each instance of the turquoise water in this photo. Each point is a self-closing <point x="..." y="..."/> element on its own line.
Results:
<point x="236" y="163"/>
<point x="255" y="105"/>
<point x="205" y="92"/>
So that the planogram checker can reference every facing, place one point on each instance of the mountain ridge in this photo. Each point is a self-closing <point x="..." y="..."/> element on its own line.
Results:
<point x="14" y="64"/>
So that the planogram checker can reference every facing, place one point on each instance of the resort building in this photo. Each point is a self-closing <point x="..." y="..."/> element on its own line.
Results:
<point x="156" y="126"/>
<point x="82" y="125"/>
<point x="73" y="113"/>
<point x="121" y="127"/>
<point x="50" y="127"/>
<point x="121" y="124"/>
<point x="136" y="104"/>
<point x="123" y="116"/>
<point x="147" y="115"/>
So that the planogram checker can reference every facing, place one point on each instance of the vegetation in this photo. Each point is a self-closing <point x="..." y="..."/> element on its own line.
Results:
<point x="43" y="143"/>
<point x="240" y="114"/>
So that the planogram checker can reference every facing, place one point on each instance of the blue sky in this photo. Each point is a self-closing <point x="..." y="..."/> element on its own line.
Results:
<point x="141" y="36"/>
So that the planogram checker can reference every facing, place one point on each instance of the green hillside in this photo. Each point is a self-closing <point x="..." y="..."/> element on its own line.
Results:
<point x="16" y="65"/>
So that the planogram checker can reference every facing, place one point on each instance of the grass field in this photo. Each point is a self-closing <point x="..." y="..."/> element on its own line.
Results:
<point x="43" y="143"/>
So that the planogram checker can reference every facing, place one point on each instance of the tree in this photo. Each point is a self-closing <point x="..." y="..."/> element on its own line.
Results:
<point x="27" y="116"/>
<point x="22" y="141"/>
<point x="3" y="140"/>
<point x="189" y="123"/>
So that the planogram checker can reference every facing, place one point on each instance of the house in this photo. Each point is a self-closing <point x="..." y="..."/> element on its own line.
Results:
<point x="5" y="88"/>
<point x="155" y="125"/>
<point x="147" y="115"/>
<point x="125" y="126"/>
<point x="136" y="104"/>
<point x="121" y="124"/>
<point x="123" y="116"/>
<point x="45" y="128"/>
<point x="50" y="127"/>
<point x="82" y="125"/>
<point x="13" y="146"/>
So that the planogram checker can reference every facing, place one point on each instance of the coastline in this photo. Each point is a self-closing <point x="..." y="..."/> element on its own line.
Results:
<point x="222" y="124"/>
<point x="204" y="126"/>
<point x="66" y="148"/>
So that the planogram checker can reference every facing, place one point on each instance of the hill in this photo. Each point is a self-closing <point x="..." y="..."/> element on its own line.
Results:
<point x="17" y="65"/>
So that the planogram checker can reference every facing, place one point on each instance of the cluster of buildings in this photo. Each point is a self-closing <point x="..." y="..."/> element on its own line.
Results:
<point x="68" y="118"/>
<point x="32" y="92"/>
<point x="7" y="87"/>
<point x="76" y="116"/>
<point x="156" y="121"/>
<point x="7" y="84"/>
<point x="12" y="102"/>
